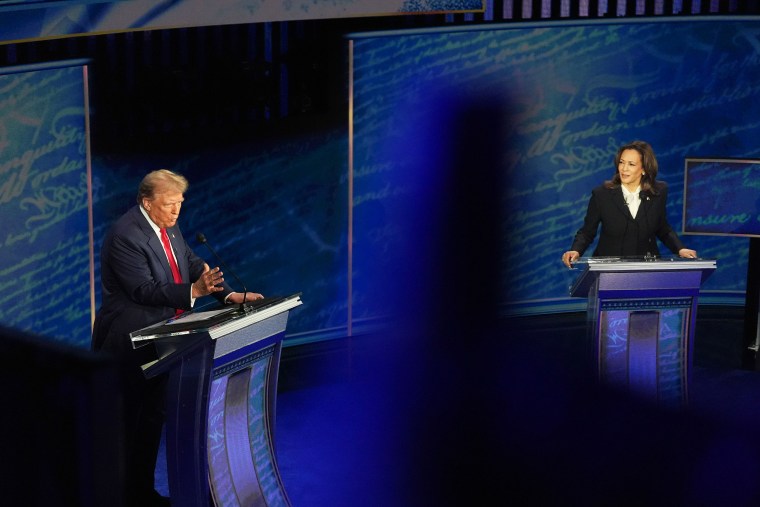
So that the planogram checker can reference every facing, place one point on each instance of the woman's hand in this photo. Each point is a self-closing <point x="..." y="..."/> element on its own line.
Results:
<point x="689" y="254"/>
<point x="569" y="257"/>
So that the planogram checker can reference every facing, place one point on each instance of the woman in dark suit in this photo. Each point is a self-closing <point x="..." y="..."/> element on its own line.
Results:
<point x="631" y="210"/>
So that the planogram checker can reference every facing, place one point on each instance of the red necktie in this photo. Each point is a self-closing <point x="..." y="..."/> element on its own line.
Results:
<point x="172" y="261"/>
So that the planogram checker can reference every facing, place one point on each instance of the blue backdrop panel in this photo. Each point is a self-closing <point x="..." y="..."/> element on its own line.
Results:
<point x="722" y="197"/>
<point x="44" y="232"/>
<point x="567" y="96"/>
<point x="275" y="212"/>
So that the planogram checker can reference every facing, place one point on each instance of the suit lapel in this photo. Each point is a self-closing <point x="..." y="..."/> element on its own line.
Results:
<point x="619" y="201"/>
<point x="154" y="243"/>
<point x="646" y="203"/>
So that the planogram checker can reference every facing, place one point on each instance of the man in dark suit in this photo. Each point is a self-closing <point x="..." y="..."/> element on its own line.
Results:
<point x="149" y="274"/>
<point x="631" y="208"/>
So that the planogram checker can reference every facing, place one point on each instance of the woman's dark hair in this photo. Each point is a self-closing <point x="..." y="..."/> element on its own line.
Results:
<point x="648" y="163"/>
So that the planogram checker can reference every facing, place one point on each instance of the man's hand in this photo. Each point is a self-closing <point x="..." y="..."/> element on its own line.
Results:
<point x="237" y="297"/>
<point x="208" y="282"/>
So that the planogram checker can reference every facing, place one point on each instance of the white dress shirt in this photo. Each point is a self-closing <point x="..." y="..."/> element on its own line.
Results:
<point x="632" y="199"/>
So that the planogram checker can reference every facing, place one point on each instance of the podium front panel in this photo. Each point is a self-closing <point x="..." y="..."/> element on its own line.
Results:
<point x="644" y="348"/>
<point x="241" y="457"/>
<point x="240" y="446"/>
<point x="222" y="368"/>
<point x="641" y="318"/>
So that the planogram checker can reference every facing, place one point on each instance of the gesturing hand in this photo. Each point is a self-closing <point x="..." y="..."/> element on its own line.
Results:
<point x="208" y="281"/>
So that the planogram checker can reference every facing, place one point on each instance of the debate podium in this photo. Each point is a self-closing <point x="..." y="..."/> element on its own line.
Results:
<point x="222" y="370"/>
<point x="641" y="318"/>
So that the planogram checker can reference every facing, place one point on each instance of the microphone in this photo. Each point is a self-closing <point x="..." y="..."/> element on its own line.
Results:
<point x="202" y="239"/>
<point x="649" y="257"/>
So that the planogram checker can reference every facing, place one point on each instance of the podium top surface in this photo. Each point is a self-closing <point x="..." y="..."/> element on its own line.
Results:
<point x="216" y="322"/>
<point x="597" y="266"/>
<point x="618" y="264"/>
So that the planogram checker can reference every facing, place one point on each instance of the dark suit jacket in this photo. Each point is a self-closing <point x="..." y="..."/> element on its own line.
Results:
<point x="621" y="234"/>
<point x="138" y="287"/>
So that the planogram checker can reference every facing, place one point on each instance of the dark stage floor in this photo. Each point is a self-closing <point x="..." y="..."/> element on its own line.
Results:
<point x="379" y="421"/>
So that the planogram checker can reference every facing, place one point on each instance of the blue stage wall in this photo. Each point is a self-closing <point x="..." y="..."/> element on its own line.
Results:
<point x="275" y="212"/>
<point x="45" y="270"/>
<point x="722" y="197"/>
<point x="566" y="95"/>
<point x="441" y="120"/>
